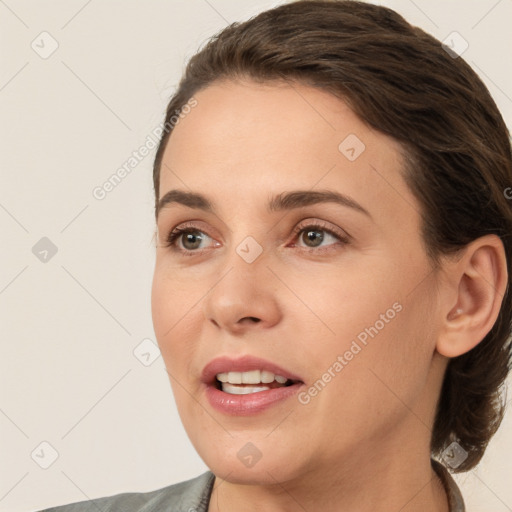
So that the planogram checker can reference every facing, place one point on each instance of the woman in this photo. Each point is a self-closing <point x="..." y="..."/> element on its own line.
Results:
<point x="331" y="288"/>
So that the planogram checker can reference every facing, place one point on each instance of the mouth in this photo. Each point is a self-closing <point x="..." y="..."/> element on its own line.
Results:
<point x="247" y="385"/>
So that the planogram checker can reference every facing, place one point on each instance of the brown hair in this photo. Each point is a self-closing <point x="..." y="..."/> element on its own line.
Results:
<point x="402" y="82"/>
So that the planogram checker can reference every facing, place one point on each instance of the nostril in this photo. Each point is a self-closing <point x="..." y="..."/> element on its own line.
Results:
<point x="252" y="318"/>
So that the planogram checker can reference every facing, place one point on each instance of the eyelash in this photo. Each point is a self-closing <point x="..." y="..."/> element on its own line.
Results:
<point x="318" y="226"/>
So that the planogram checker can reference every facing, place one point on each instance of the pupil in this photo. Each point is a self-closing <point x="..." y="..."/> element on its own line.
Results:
<point x="190" y="237"/>
<point x="312" y="238"/>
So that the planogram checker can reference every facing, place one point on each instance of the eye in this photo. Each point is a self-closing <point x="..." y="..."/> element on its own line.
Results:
<point x="312" y="233"/>
<point x="191" y="238"/>
<point x="188" y="235"/>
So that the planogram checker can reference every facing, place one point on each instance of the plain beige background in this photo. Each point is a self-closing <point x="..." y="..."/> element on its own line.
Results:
<point x="83" y="390"/>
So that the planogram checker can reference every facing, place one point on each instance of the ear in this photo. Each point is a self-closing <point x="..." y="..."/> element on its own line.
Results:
<point x="476" y="285"/>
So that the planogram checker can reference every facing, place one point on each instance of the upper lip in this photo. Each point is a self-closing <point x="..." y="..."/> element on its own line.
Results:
<point x="245" y="363"/>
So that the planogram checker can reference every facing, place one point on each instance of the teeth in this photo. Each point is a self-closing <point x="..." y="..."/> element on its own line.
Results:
<point x="252" y="377"/>
<point x="235" y="378"/>
<point x="233" y="389"/>
<point x="267" y="377"/>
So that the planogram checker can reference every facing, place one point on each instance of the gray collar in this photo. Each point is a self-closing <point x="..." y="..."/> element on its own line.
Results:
<point x="455" y="499"/>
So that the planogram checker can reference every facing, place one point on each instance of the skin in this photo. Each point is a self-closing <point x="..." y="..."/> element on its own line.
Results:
<point x="362" y="443"/>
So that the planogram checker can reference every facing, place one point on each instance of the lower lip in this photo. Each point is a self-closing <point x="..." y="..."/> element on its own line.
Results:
<point x="253" y="403"/>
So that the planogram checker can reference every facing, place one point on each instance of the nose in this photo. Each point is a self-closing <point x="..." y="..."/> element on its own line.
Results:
<point x="243" y="299"/>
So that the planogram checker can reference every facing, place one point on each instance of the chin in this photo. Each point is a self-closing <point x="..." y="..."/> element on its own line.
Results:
<point x="261" y="474"/>
<point x="250" y="466"/>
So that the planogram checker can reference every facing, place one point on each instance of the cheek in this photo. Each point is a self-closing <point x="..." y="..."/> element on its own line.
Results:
<point x="376" y="384"/>
<point x="173" y="296"/>
<point x="341" y="304"/>
<point x="170" y="316"/>
<point x="162" y="302"/>
<point x="395" y="362"/>
<point x="365" y="325"/>
<point x="171" y="310"/>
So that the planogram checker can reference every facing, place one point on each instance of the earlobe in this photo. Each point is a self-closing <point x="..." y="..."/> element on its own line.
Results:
<point x="481" y="280"/>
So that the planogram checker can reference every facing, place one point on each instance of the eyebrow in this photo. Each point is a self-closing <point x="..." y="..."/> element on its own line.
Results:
<point x="284" y="201"/>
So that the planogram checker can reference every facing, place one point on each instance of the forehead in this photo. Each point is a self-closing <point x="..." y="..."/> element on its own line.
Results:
<point x="235" y="119"/>
<point x="248" y="140"/>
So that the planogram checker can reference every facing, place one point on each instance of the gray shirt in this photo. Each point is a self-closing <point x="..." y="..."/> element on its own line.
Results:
<point x="194" y="496"/>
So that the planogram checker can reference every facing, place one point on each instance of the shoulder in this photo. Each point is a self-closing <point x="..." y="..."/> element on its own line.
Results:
<point x="193" y="494"/>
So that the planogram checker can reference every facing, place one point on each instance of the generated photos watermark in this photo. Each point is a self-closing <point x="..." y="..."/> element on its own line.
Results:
<point x="100" y="192"/>
<point x="356" y="347"/>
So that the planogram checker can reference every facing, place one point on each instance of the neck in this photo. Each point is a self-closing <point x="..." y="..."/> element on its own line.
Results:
<point x="402" y="479"/>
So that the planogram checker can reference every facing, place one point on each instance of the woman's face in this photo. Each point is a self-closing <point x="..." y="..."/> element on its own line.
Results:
<point x="339" y="296"/>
